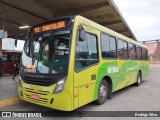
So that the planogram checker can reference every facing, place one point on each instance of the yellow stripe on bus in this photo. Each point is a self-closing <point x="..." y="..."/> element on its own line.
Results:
<point x="9" y="101"/>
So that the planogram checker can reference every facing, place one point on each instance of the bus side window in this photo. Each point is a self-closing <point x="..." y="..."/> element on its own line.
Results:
<point x="132" y="51"/>
<point x="144" y="54"/>
<point x="139" y="53"/>
<point x="86" y="52"/>
<point x="113" y="50"/>
<point x="105" y="46"/>
<point x="122" y="49"/>
<point x="108" y="45"/>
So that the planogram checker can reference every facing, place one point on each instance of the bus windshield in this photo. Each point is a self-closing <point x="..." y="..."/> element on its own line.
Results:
<point x="47" y="53"/>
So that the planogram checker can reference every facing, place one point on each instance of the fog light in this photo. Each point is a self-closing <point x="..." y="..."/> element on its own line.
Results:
<point x="51" y="100"/>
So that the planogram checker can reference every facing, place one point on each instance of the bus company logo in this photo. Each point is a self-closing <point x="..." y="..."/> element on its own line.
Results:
<point x="113" y="70"/>
<point x="6" y="114"/>
<point x="131" y="68"/>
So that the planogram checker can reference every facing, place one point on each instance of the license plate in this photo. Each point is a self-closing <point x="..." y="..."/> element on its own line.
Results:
<point x="34" y="96"/>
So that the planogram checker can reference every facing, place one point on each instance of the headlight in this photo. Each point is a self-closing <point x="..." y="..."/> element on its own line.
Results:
<point x="20" y="81"/>
<point x="60" y="86"/>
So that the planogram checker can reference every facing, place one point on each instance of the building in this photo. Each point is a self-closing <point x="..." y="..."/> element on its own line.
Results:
<point x="153" y="51"/>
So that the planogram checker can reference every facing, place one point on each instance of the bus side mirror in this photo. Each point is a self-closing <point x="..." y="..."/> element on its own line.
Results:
<point x="82" y="34"/>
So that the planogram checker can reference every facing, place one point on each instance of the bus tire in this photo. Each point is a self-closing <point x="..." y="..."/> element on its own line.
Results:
<point x="139" y="79"/>
<point x="102" y="92"/>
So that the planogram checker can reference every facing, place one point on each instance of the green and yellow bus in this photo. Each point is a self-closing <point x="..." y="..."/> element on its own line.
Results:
<point x="71" y="61"/>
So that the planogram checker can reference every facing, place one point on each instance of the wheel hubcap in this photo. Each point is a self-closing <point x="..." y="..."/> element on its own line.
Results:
<point x="139" y="79"/>
<point x="103" y="91"/>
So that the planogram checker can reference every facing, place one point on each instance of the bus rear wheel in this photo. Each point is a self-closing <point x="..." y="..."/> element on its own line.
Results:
<point x="139" y="79"/>
<point x="102" y="92"/>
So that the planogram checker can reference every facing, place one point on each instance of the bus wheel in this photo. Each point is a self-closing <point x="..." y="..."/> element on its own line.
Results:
<point x="139" y="79"/>
<point x="102" y="92"/>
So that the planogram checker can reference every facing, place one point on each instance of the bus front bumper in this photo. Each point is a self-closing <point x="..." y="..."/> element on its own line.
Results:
<point x="60" y="101"/>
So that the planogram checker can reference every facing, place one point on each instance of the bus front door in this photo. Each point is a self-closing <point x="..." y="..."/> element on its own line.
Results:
<point x="86" y="68"/>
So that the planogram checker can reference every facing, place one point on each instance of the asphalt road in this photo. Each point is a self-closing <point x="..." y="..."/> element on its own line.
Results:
<point x="146" y="97"/>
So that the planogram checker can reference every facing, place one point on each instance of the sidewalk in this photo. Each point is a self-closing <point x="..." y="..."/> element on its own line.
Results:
<point x="8" y="87"/>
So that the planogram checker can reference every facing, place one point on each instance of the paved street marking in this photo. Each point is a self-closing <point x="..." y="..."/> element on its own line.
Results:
<point x="9" y="101"/>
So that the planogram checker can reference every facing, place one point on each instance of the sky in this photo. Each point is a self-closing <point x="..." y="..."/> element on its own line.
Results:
<point x="142" y="16"/>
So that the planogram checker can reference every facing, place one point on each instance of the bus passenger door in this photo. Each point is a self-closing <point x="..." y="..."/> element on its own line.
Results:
<point x="86" y="68"/>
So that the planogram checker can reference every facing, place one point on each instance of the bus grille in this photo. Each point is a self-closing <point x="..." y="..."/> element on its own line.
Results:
<point x="38" y="81"/>
<point x="37" y="92"/>
<point x="41" y="100"/>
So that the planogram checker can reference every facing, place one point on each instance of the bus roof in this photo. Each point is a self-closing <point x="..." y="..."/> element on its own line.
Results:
<point x="99" y="27"/>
